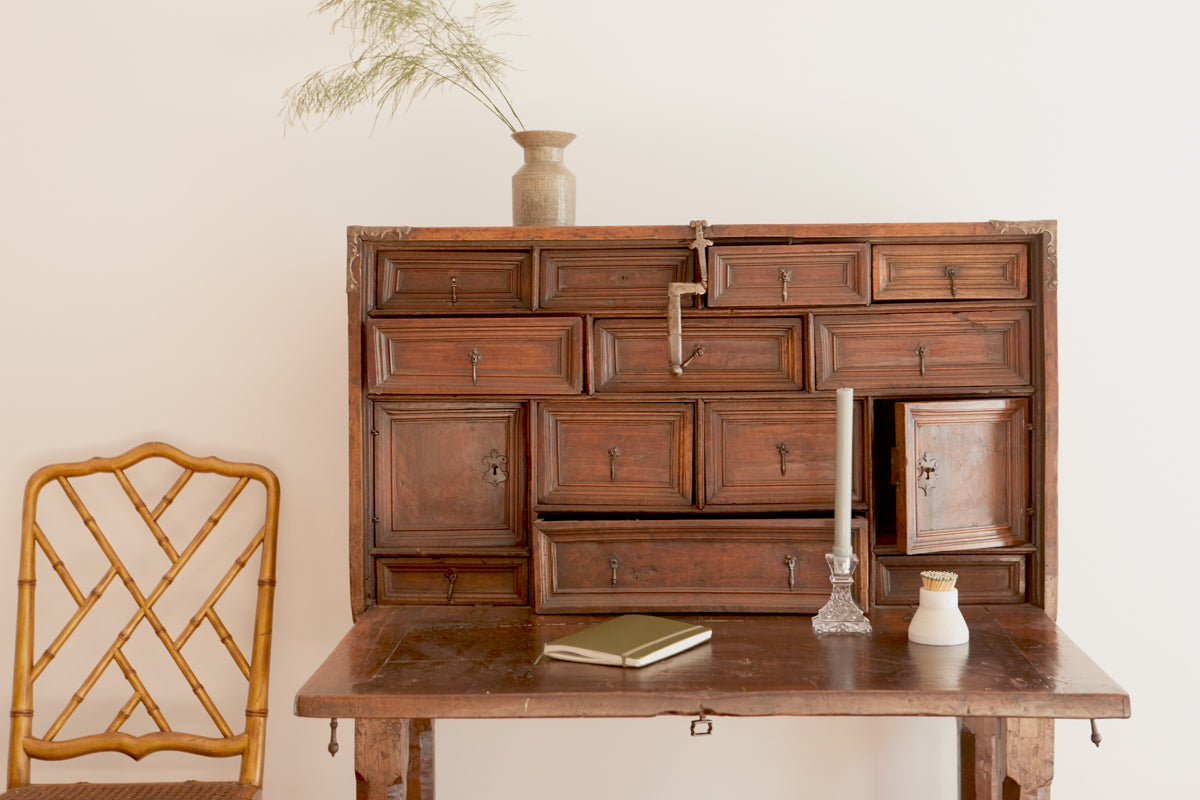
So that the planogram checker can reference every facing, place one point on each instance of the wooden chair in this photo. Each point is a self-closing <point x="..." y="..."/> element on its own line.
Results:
<point x="253" y="492"/>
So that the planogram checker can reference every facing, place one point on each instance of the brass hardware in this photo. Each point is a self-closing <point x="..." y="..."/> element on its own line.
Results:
<point x="475" y="356"/>
<point x="922" y="351"/>
<point x="785" y="277"/>
<point x="675" y="290"/>
<point x="790" y="561"/>
<point x="613" y="454"/>
<point x="952" y="274"/>
<point x="783" y="451"/>
<point x="452" y="577"/>
<point x="453" y="291"/>
<point x="333" y="742"/>
<point x="706" y="722"/>
<point x="926" y="471"/>
<point x="495" y="461"/>
<point x="613" y="563"/>
<point x="697" y="351"/>
<point x="1096" y="737"/>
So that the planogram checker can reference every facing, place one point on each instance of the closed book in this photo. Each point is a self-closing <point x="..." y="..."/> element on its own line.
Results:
<point x="631" y="640"/>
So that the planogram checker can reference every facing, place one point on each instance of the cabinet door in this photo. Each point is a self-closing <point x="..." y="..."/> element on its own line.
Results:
<point x="449" y="477"/>
<point x="777" y="453"/>
<point x="962" y="470"/>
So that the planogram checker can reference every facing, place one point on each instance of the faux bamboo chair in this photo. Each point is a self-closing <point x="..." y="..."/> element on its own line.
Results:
<point x="225" y="485"/>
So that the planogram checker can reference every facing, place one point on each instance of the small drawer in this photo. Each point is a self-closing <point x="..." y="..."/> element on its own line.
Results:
<point x="770" y="276"/>
<point x="981" y="578"/>
<point x="928" y="350"/>
<point x="950" y="272"/>
<point x="452" y="281"/>
<point x="502" y="355"/>
<point x="730" y="354"/>
<point x="621" y="455"/>
<point x="707" y="565"/>
<point x="778" y="453"/>
<point x="602" y="278"/>
<point x="452" y="581"/>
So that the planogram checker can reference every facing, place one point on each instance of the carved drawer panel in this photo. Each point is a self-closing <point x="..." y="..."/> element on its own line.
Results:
<point x="735" y="566"/>
<point x="998" y="578"/>
<point x="615" y="454"/>
<point x="720" y="355"/>
<point x="498" y="355"/>
<point x="789" y="275"/>
<point x="926" y="350"/>
<point x="777" y="452"/>
<point x="950" y="271"/>
<point x="448" y="581"/>
<point x="612" y="278"/>
<point x="449" y="475"/>
<point x="962" y="473"/>
<point x="452" y="281"/>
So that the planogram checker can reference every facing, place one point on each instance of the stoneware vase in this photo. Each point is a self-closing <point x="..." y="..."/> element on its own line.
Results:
<point x="938" y="620"/>
<point x="543" y="189"/>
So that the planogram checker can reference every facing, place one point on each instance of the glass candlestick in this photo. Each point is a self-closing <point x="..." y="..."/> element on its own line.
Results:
<point x="841" y="614"/>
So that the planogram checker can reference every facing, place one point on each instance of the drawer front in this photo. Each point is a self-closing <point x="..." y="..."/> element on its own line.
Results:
<point x="451" y="581"/>
<point x="449" y="475"/>
<point x="981" y="578"/>
<point x="929" y="350"/>
<point x="718" y="566"/>
<point x="452" y="281"/>
<point x="950" y="272"/>
<point x="501" y="355"/>
<point x="608" y="278"/>
<point x="778" y="453"/>
<point x="726" y="355"/>
<point x="789" y="275"/>
<point x="615" y="454"/>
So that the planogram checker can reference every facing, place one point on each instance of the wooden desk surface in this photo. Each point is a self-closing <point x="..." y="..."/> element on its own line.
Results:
<point x="402" y="662"/>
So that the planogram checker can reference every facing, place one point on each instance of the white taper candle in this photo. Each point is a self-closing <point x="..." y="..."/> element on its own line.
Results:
<point x="843" y="461"/>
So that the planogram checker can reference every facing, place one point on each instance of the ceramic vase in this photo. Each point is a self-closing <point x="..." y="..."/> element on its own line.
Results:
<point x="543" y="189"/>
<point x="938" y="620"/>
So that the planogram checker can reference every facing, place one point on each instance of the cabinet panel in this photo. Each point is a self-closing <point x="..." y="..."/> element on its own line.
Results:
<point x="925" y="350"/>
<point x="778" y="452"/>
<point x="962" y="469"/>
<point x="613" y="278"/>
<point x="449" y="476"/>
<point x="500" y="355"/>
<point x="447" y="581"/>
<point x="452" y="281"/>
<point x="615" y="454"/>
<point x="950" y="271"/>
<point x="982" y="579"/>
<point x="726" y="355"/>
<point x="788" y="275"/>
<point x="735" y="566"/>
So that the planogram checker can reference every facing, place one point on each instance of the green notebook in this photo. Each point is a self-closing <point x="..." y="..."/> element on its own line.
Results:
<point x="631" y="640"/>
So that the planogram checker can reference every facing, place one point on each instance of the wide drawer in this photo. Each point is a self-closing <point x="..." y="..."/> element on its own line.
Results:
<point x="725" y="566"/>
<point x="447" y="581"/>
<point x="598" y="278"/>
<point x="452" y="281"/>
<point x="982" y="579"/>
<point x="769" y="276"/>
<point x="721" y="355"/>
<point x="778" y="453"/>
<point x="620" y="455"/>
<point x="926" y="350"/>
<point x="498" y="355"/>
<point x="950" y="271"/>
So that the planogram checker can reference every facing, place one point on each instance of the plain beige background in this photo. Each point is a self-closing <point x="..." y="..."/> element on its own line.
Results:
<point x="173" y="267"/>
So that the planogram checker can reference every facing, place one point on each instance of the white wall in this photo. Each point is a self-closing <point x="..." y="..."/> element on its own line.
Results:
<point x="172" y="268"/>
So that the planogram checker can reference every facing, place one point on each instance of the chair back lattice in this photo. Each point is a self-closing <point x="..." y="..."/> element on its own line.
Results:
<point x="255" y="517"/>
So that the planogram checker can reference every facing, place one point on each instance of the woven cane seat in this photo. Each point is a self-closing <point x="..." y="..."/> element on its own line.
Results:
<point x="188" y="790"/>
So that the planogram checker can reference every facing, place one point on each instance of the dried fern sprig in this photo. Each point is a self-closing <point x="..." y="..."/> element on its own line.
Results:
<point x="403" y="50"/>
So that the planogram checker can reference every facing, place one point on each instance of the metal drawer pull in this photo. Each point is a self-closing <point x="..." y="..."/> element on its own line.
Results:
<point x="927" y="468"/>
<point x="475" y="355"/>
<point x="454" y="291"/>
<point x="790" y="561"/>
<point x="697" y="351"/>
<point x="785" y="277"/>
<point x="495" y="461"/>
<point x="952" y="274"/>
<point x="783" y="451"/>
<point x="452" y="577"/>
<point x="613" y="454"/>
<point x="922" y="351"/>
<point x="613" y="563"/>
<point x="333" y="742"/>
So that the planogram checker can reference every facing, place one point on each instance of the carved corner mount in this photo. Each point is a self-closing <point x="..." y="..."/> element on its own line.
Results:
<point x="355" y="234"/>
<point x="1049" y="230"/>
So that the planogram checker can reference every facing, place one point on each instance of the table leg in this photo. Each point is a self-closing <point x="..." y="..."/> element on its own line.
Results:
<point x="1030" y="757"/>
<point x="393" y="759"/>
<point x="1006" y="759"/>
<point x="983" y="755"/>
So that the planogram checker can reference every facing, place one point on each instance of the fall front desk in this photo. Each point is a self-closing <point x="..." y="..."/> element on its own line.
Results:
<point x="552" y="425"/>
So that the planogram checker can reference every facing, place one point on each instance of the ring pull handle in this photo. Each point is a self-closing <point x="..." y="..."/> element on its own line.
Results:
<point x="952" y="274"/>
<point x="922" y="351"/>
<point x="613" y="563"/>
<point x="453" y="291"/>
<point x="790" y="561"/>
<point x="927" y="471"/>
<point x="613" y="454"/>
<point x="475" y="355"/>
<point x="785" y="277"/>
<point x="783" y="451"/>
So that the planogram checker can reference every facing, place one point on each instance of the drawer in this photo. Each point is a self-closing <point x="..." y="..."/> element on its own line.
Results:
<point x="778" y="453"/>
<point x="601" y="278"/>
<point x="449" y="581"/>
<point x="623" y="455"/>
<point x="950" y="271"/>
<point x="727" y="354"/>
<point x="951" y="350"/>
<point x="719" y="566"/>
<point x="981" y="578"/>
<point x="789" y="275"/>
<point x="499" y="355"/>
<point x="452" y="281"/>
